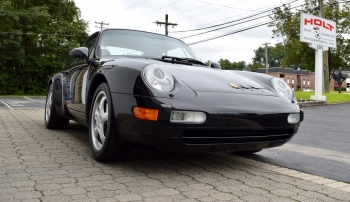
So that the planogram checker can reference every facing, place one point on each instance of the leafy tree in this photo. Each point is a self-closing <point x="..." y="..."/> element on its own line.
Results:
<point x="35" y="40"/>
<point x="286" y="24"/>
<point x="226" y="64"/>
<point x="253" y="67"/>
<point x="239" y="65"/>
<point x="274" y="55"/>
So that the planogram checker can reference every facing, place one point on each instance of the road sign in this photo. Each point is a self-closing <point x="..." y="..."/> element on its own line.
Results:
<point x="317" y="30"/>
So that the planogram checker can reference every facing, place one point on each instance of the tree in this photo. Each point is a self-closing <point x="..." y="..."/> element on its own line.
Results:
<point x="226" y="64"/>
<point x="35" y="40"/>
<point x="253" y="67"/>
<point x="274" y="55"/>
<point x="286" y="24"/>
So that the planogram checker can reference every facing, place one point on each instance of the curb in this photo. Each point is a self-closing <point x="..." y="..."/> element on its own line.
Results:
<point x="312" y="103"/>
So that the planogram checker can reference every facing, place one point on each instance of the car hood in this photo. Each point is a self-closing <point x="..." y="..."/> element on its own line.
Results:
<point x="202" y="79"/>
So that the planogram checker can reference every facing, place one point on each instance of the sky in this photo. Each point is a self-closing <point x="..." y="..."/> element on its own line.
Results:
<point x="189" y="15"/>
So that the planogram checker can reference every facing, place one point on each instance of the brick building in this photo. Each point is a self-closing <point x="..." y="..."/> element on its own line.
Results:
<point x="301" y="79"/>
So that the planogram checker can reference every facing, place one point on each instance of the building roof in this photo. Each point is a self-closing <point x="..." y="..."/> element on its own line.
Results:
<point x="284" y="70"/>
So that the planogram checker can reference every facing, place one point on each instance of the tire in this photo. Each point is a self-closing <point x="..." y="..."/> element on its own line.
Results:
<point x="104" y="141"/>
<point x="52" y="119"/>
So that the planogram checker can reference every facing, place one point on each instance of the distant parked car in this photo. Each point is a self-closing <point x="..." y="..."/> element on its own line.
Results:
<point x="139" y="89"/>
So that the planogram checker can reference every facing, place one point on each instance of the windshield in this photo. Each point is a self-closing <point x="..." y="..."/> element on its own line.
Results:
<point x="136" y="43"/>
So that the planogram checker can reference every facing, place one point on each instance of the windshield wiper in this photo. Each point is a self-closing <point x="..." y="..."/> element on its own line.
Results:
<point x="187" y="60"/>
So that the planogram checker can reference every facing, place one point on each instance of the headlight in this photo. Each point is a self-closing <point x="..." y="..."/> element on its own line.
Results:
<point x="282" y="88"/>
<point x="158" y="78"/>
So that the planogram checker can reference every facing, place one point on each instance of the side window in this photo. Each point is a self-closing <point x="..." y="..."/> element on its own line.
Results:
<point x="90" y="45"/>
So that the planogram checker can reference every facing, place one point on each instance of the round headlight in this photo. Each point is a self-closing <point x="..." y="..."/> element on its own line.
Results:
<point x="282" y="88"/>
<point x="158" y="78"/>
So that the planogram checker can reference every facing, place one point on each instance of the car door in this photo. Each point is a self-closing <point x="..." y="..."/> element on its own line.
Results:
<point x="76" y="82"/>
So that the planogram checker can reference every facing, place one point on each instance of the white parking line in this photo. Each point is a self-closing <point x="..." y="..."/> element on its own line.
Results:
<point x="29" y="99"/>
<point x="7" y="105"/>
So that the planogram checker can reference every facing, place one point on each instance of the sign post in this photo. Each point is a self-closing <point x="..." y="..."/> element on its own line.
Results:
<point x="320" y="34"/>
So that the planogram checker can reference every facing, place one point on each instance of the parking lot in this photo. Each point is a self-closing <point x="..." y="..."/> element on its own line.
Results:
<point x="23" y="102"/>
<point x="55" y="165"/>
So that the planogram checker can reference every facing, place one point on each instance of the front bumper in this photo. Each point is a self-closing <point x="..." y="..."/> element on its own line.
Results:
<point x="228" y="127"/>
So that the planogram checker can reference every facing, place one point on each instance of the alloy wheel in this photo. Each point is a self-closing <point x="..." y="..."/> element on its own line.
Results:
<point x="48" y="106"/>
<point x="99" y="121"/>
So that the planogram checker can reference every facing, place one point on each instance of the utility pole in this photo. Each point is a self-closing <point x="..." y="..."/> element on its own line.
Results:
<point x="101" y="24"/>
<point x="166" y="24"/>
<point x="266" y="58"/>
<point x="324" y="55"/>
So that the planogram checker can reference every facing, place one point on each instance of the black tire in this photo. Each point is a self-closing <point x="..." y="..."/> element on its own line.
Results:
<point x="104" y="141"/>
<point x="52" y="119"/>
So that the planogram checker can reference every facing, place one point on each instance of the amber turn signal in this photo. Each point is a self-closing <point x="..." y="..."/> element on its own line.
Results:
<point x="146" y="113"/>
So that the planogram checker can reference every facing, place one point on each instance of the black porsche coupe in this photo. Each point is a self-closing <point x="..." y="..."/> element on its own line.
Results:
<point x="139" y="89"/>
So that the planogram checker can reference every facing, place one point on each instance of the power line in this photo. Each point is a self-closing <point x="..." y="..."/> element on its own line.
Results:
<point x="195" y="8"/>
<point x="180" y="13"/>
<point x="25" y="13"/>
<point x="226" y="50"/>
<point x="29" y="33"/>
<point x="225" y="6"/>
<point x="224" y="27"/>
<point x="205" y="13"/>
<point x="236" y="31"/>
<point x="261" y="12"/>
<point x="231" y="25"/>
<point x="229" y="33"/>
<point x="155" y="9"/>
<point x="133" y="5"/>
<point x="271" y="7"/>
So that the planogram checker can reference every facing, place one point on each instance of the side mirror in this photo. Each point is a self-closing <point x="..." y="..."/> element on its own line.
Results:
<point x="81" y="52"/>
<point x="215" y="65"/>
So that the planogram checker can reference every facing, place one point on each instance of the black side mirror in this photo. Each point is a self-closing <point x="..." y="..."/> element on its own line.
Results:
<point x="81" y="52"/>
<point x="215" y="65"/>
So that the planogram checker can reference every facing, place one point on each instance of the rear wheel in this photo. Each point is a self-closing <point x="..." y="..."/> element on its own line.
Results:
<point x="104" y="140"/>
<point x="52" y="119"/>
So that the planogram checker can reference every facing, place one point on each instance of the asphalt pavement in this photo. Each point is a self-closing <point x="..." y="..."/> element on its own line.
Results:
<point x="321" y="147"/>
<point x="22" y="102"/>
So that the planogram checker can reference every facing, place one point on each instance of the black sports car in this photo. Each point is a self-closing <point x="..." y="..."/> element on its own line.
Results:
<point x="135" y="88"/>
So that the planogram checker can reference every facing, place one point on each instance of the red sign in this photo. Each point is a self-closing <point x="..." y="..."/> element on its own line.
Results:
<point x="318" y="22"/>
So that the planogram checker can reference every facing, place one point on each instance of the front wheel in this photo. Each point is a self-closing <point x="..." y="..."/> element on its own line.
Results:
<point x="52" y="119"/>
<point x="104" y="140"/>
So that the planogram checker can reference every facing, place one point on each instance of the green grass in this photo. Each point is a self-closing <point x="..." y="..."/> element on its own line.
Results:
<point x="332" y="97"/>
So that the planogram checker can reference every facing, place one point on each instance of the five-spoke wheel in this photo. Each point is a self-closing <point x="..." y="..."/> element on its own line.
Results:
<point x="104" y="140"/>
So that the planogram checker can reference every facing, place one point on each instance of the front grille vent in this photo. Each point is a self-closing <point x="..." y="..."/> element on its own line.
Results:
<point x="206" y="137"/>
